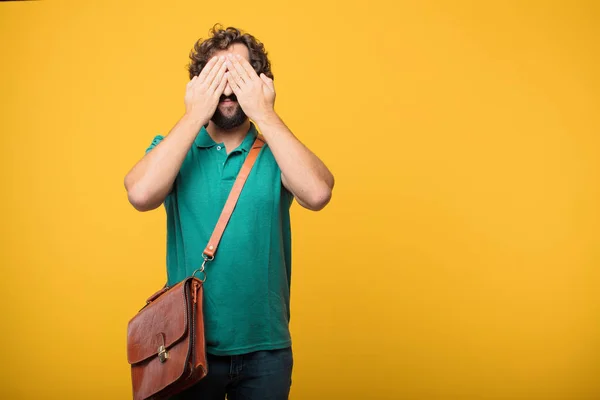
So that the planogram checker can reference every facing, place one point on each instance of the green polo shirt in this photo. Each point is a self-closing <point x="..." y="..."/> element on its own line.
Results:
<point x="247" y="290"/>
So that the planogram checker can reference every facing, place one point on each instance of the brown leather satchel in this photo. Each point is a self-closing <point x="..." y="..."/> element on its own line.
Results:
<point x="165" y="339"/>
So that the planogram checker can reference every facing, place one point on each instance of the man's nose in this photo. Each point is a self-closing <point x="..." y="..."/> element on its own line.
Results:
<point x="227" y="91"/>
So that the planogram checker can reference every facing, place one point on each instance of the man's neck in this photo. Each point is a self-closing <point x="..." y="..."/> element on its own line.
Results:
<point x="231" y="138"/>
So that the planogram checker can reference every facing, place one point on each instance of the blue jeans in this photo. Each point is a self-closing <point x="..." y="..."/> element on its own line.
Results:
<point x="262" y="375"/>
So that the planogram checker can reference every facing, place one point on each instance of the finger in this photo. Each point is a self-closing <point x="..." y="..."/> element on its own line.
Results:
<point x="218" y="77"/>
<point x="268" y="81"/>
<point x="233" y="83"/>
<point x="214" y="71"/>
<point x="207" y="68"/>
<point x="239" y="69"/>
<point x="191" y="82"/>
<point x="233" y="71"/>
<point x="247" y="67"/>
<point x="222" y="85"/>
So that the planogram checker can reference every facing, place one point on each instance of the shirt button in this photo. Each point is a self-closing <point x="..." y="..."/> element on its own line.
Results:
<point x="218" y="147"/>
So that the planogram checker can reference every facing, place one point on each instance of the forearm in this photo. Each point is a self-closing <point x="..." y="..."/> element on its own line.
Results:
<point x="151" y="179"/>
<point x="303" y="173"/>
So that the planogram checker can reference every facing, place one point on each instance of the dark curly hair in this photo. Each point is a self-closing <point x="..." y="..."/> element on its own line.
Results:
<point x="221" y="39"/>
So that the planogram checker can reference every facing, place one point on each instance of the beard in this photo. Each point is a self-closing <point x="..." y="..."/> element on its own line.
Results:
<point x="227" y="122"/>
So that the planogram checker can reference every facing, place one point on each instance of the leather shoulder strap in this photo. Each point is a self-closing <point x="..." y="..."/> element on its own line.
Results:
<point x="213" y="243"/>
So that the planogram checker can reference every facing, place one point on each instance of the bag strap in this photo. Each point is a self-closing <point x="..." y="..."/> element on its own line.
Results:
<point x="213" y="243"/>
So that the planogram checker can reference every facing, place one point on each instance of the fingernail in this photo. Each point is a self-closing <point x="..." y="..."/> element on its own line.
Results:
<point x="238" y="56"/>
<point x="221" y="58"/>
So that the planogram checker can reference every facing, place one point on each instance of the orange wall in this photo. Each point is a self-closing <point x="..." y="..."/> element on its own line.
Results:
<point x="459" y="258"/>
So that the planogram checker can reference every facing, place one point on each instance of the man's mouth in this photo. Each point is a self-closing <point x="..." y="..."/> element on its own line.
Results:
<point x="227" y="99"/>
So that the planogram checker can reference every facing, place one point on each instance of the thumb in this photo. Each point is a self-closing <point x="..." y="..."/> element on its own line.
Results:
<point x="268" y="81"/>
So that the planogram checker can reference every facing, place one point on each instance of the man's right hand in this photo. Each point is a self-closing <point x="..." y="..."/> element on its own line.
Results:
<point x="152" y="178"/>
<point x="203" y="91"/>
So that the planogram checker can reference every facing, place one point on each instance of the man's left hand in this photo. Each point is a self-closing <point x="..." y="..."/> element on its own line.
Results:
<point x="255" y="94"/>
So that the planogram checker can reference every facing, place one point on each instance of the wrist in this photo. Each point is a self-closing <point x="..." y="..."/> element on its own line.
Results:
<point x="267" y="118"/>
<point x="194" y="120"/>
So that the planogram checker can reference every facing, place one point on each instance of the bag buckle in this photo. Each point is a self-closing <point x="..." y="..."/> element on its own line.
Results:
<point x="202" y="267"/>
<point x="162" y="351"/>
<point x="162" y="354"/>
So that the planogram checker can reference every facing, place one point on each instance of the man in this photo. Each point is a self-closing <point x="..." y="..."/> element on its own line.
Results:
<point x="191" y="171"/>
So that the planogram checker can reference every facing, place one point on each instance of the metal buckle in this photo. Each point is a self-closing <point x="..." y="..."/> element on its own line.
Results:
<point x="162" y="354"/>
<point x="201" y="270"/>
<point x="162" y="351"/>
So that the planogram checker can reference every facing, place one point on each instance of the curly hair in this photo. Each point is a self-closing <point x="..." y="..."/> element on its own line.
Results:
<point x="221" y="39"/>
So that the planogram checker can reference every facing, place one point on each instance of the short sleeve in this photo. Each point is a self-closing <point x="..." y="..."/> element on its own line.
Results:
<point x="287" y="197"/>
<point x="157" y="139"/>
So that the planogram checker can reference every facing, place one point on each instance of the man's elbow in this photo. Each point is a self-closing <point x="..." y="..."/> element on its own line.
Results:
<point x="319" y="199"/>
<point x="140" y="199"/>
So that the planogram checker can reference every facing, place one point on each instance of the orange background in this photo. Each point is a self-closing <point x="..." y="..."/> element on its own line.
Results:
<point x="458" y="258"/>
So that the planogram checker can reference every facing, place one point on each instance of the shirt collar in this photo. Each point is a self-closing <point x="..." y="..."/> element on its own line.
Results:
<point x="204" y="140"/>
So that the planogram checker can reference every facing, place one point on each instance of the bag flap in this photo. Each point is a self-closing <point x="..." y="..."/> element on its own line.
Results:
<point x="162" y="322"/>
